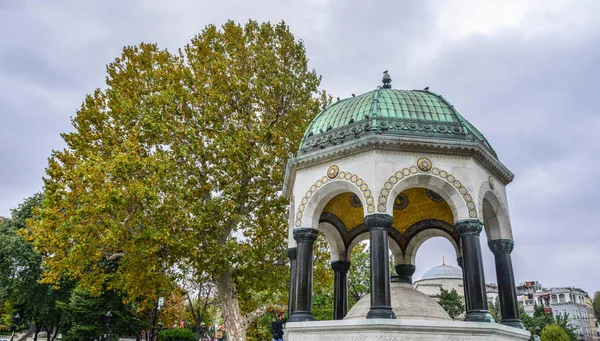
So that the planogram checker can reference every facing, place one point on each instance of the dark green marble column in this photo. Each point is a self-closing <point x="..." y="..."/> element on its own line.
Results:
<point x="459" y="260"/>
<point x="509" y="306"/>
<point x="340" y="289"/>
<point x="469" y="231"/>
<point x="405" y="272"/>
<point x="381" y="305"/>
<point x="292" y="297"/>
<point x="305" y="237"/>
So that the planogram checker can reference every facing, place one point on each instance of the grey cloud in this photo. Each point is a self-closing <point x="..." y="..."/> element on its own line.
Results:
<point x="530" y="89"/>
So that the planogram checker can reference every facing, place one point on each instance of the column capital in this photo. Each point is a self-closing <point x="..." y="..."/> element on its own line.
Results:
<point x="498" y="246"/>
<point x="340" y="266"/>
<point x="305" y="234"/>
<point x="469" y="227"/>
<point x="459" y="260"/>
<point x="405" y="272"/>
<point x="378" y="222"/>
<point x="291" y="252"/>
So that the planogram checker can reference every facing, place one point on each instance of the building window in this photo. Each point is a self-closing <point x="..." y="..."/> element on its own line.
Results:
<point x="561" y="298"/>
<point x="553" y="298"/>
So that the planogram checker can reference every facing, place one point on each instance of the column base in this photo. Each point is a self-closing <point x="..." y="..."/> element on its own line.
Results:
<point x="479" y="316"/>
<point x="515" y="323"/>
<point x="381" y="313"/>
<point x="301" y="316"/>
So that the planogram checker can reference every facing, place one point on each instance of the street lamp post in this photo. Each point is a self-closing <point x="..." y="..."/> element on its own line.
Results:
<point x="536" y="336"/>
<point x="16" y="320"/>
<point x="107" y="326"/>
<point x="159" y="325"/>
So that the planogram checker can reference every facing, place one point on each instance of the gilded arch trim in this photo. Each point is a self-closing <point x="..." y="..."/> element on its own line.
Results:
<point x="350" y="177"/>
<point x="437" y="172"/>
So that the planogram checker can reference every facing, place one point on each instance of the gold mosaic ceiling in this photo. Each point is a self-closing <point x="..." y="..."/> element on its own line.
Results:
<point x="410" y="207"/>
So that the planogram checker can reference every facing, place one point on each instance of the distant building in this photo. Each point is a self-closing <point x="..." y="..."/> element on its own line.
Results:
<point x="441" y="276"/>
<point x="592" y="319"/>
<point x="570" y="301"/>
<point x="448" y="277"/>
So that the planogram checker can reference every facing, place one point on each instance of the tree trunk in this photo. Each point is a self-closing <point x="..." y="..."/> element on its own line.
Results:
<point x="205" y="302"/>
<point x="235" y="323"/>
<point x="37" y="330"/>
<point x="200" y="315"/>
<point x="55" y="334"/>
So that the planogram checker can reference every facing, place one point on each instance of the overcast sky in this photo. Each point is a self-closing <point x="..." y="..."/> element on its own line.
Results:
<point x="524" y="73"/>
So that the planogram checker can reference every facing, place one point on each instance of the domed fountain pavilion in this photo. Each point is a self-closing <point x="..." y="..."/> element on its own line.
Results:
<point x="398" y="167"/>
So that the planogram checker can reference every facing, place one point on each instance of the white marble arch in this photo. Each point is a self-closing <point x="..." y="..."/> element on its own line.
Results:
<point x="495" y="217"/>
<point x="393" y="246"/>
<point x="442" y="187"/>
<point x="415" y="243"/>
<point x="337" y="249"/>
<point x="318" y="199"/>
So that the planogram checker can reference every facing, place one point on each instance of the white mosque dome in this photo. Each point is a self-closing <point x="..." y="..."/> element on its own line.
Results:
<point x="443" y="271"/>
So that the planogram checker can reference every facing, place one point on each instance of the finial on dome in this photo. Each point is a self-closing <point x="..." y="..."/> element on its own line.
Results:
<point x="387" y="80"/>
<point x="443" y="261"/>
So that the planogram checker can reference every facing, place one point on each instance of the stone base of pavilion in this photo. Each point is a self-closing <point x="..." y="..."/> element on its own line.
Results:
<point x="401" y="330"/>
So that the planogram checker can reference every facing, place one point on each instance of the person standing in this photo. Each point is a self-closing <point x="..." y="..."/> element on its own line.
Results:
<point x="277" y="328"/>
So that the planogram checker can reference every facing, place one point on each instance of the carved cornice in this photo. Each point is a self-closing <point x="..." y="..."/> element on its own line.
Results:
<point x="397" y="143"/>
<point x="340" y="266"/>
<point x="499" y="246"/>
<point x="305" y="234"/>
<point x="291" y="252"/>
<point x="379" y="222"/>
<point x="469" y="227"/>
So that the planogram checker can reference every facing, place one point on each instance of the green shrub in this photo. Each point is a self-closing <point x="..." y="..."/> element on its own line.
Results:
<point x="176" y="334"/>
<point x="554" y="332"/>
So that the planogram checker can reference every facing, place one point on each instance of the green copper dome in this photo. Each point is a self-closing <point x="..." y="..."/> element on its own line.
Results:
<point x="404" y="114"/>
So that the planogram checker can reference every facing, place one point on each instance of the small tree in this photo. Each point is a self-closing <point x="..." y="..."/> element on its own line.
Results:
<point x="563" y="322"/>
<point x="494" y="308"/>
<point x="359" y="274"/>
<point x="177" y="334"/>
<point x="554" y="332"/>
<point x="451" y="302"/>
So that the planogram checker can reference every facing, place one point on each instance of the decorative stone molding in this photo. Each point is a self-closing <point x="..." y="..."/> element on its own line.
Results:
<point x="469" y="227"/>
<point x="402" y="330"/>
<point x="340" y="266"/>
<point x="479" y="316"/>
<point x="396" y="143"/>
<point x="305" y="234"/>
<point x="292" y="252"/>
<point x="379" y="222"/>
<point x="424" y="164"/>
<point x="339" y="176"/>
<point x="498" y="246"/>
<point x="333" y="171"/>
<point x="437" y="172"/>
<point x="353" y="131"/>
